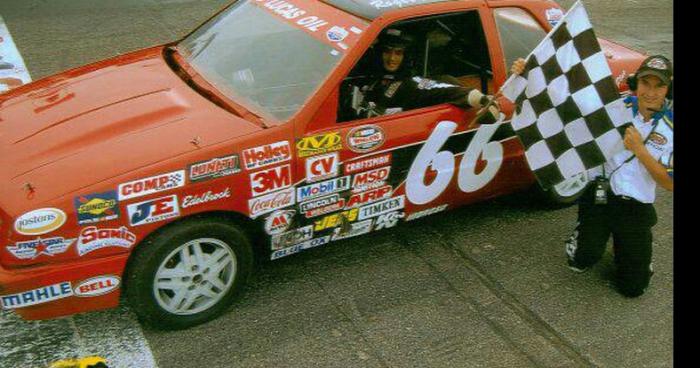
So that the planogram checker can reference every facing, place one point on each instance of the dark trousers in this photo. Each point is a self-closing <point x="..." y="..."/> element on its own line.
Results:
<point x="629" y="222"/>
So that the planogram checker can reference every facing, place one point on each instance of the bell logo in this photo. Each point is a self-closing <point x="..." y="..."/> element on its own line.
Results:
<point x="322" y="167"/>
<point x="97" y="286"/>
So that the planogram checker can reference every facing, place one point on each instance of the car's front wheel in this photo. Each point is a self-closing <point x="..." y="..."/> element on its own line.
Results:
<point x="189" y="273"/>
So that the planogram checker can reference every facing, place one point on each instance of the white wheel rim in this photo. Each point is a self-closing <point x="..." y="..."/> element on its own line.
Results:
<point x="572" y="186"/>
<point x="195" y="276"/>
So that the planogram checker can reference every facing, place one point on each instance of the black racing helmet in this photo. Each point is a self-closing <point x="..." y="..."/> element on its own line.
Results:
<point x="394" y="38"/>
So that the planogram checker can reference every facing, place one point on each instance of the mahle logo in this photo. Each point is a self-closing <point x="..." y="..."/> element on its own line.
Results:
<point x="318" y="144"/>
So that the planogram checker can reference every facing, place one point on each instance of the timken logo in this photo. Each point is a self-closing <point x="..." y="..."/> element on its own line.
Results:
<point x="255" y="158"/>
<point x="214" y="168"/>
<point x="154" y="184"/>
<point x="40" y="221"/>
<point x="97" y="286"/>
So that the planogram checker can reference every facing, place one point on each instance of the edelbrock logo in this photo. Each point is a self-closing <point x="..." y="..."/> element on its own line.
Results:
<point x="193" y="200"/>
<point x="154" y="184"/>
<point x="41" y="221"/>
<point x="97" y="286"/>
<point x="257" y="157"/>
<point x="37" y="296"/>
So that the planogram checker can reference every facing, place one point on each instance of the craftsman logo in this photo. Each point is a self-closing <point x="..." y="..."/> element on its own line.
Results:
<point x="97" y="286"/>
<point x="426" y="212"/>
<point x="258" y="157"/>
<point x="154" y="184"/>
<point x="279" y="221"/>
<point x="92" y="239"/>
<point x="37" y="296"/>
<point x="214" y="168"/>
<point x="318" y="203"/>
<point x="373" y="195"/>
<point x="270" y="202"/>
<point x="319" y="144"/>
<point x="292" y="237"/>
<point x="379" y="208"/>
<point x="365" y="138"/>
<point x="335" y="220"/>
<point x="35" y="248"/>
<point x="322" y="167"/>
<point x="93" y="208"/>
<point x="266" y="181"/>
<point x="337" y="34"/>
<point x="370" y="179"/>
<point x="154" y="210"/>
<point x="40" y="221"/>
<point x="355" y="229"/>
<point x="323" y="188"/>
<point x="209" y="196"/>
<point x="296" y="248"/>
<point x="367" y="163"/>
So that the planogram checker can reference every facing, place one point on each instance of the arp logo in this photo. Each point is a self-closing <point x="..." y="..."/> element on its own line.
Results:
<point x="319" y="144"/>
<point x="369" y="196"/>
<point x="322" y="167"/>
<point x="270" y="180"/>
<point x="153" y="211"/>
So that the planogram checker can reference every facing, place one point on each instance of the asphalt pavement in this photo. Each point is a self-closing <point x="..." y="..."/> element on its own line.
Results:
<point x="481" y="286"/>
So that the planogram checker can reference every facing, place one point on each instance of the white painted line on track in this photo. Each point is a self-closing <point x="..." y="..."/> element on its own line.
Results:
<point x="13" y="71"/>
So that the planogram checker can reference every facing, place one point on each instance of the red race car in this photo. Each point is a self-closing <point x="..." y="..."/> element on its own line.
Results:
<point x="164" y="172"/>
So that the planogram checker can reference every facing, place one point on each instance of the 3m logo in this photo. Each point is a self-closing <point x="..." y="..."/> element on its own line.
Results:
<point x="154" y="184"/>
<point x="153" y="211"/>
<point x="322" y="167"/>
<point x="258" y="157"/>
<point x="319" y="144"/>
<point x="270" y="180"/>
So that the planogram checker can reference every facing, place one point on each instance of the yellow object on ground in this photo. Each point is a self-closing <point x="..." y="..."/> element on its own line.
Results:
<point x="87" y="362"/>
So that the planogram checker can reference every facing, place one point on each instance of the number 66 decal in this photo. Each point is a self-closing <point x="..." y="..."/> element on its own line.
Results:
<point x="444" y="162"/>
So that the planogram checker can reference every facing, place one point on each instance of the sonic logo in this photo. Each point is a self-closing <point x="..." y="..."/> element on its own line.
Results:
<point x="92" y="238"/>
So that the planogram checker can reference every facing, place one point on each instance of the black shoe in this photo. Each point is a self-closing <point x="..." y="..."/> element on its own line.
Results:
<point x="576" y="268"/>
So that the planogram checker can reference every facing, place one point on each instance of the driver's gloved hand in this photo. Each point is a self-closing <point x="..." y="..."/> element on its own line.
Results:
<point x="478" y="100"/>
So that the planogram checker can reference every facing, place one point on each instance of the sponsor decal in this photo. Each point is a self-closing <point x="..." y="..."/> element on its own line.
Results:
<point x="41" y="221"/>
<point x="427" y="212"/>
<point x="318" y="203"/>
<point x="209" y="196"/>
<point x="388" y="220"/>
<point x="91" y="239"/>
<point x="365" y="138"/>
<point x="657" y="139"/>
<point x="153" y="210"/>
<point x="367" y="163"/>
<point x="34" y="248"/>
<point x="37" y="296"/>
<point x="311" y="243"/>
<point x="270" y="180"/>
<point x="270" y="202"/>
<point x="373" y="195"/>
<point x="336" y="34"/>
<point x="554" y="15"/>
<point x="323" y="188"/>
<point x="97" y="286"/>
<point x="335" y="219"/>
<point x="269" y="154"/>
<point x="325" y="210"/>
<point x="357" y="228"/>
<point x="319" y="144"/>
<point x="322" y="167"/>
<point x="153" y="184"/>
<point x="279" y="221"/>
<point x="621" y="78"/>
<point x="379" y="208"/>
<point x="93" y="208"/>
<point x="657" y="63"/>
<point x="468" y="180"/>
<point x="292" y="237"/>
<point x="214" y="168"/>
<point x="370" y="179"/>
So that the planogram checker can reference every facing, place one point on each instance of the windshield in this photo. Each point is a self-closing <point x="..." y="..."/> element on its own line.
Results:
<point x="269" y="56"/>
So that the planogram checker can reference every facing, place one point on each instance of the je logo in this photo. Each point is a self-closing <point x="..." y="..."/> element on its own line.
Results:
<point x="153" y="211"/>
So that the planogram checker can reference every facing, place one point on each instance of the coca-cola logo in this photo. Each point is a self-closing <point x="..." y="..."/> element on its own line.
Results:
<point x="270" y="202"/>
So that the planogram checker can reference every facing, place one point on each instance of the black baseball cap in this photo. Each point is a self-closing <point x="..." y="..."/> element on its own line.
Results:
<point x="657" y="65"/>
<point x="394" y="38"/>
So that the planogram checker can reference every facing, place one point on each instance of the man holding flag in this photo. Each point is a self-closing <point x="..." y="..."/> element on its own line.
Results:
<point x="571" y="119"/>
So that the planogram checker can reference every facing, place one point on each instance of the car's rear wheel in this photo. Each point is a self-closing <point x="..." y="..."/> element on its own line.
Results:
<point x="567" y="192"/>
<point x="189" y="273"/>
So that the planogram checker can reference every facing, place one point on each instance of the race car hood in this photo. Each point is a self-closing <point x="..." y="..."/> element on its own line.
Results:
<point x="623" y="61"/>
<point x="87" y="125"/>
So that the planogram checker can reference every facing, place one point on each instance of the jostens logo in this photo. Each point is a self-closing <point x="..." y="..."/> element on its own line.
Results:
<point x="365" y="138"/>
<point x="270" y="180"/>
<point x="41" y="221"/>
<point x="270" y="202"/>
<point x="153" y="210"/>
<point x="154" y="184"/>
<point x="323" y="188"/>
<point x="93" y="208"/>
<point x="37" y="296"/>
<point x="367" y="163"/>
<point x="258" y="157"/>
<point x="279" y="221"/>
<point x="97" y="286"/>
<point x="319" y="144"/>
<point x="92" y="238"/>
<point x="322" y="167"/>
<point x="34" y="248"/>
<point x="214" y="168"/>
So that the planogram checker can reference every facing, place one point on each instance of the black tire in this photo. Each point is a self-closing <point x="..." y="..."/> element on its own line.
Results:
<point x="565" y="194"/>
<point x="217" y="239"/>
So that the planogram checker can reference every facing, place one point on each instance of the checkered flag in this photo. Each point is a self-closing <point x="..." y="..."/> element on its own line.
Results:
<point x="569" y="115"/>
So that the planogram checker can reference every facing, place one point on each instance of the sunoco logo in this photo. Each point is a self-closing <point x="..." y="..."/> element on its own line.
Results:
<point x="92" y="208"/>
<point x="40" y="221"/>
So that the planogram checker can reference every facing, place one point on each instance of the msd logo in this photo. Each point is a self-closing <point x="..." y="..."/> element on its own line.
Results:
<point x="322" y="167"/>
<point x="153" y="211"/>
<point x="154" y="184"/>
<point x="370" y="179"/>
<point x="258" y="157"/>
<point x="270" y="180"/>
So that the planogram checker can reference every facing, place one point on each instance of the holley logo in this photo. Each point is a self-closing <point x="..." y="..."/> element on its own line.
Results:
<point x="97" y="286"/>
<point x="255" y="158"/>
<point x="154" y="184"/>
<point x="40" y="221"/>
